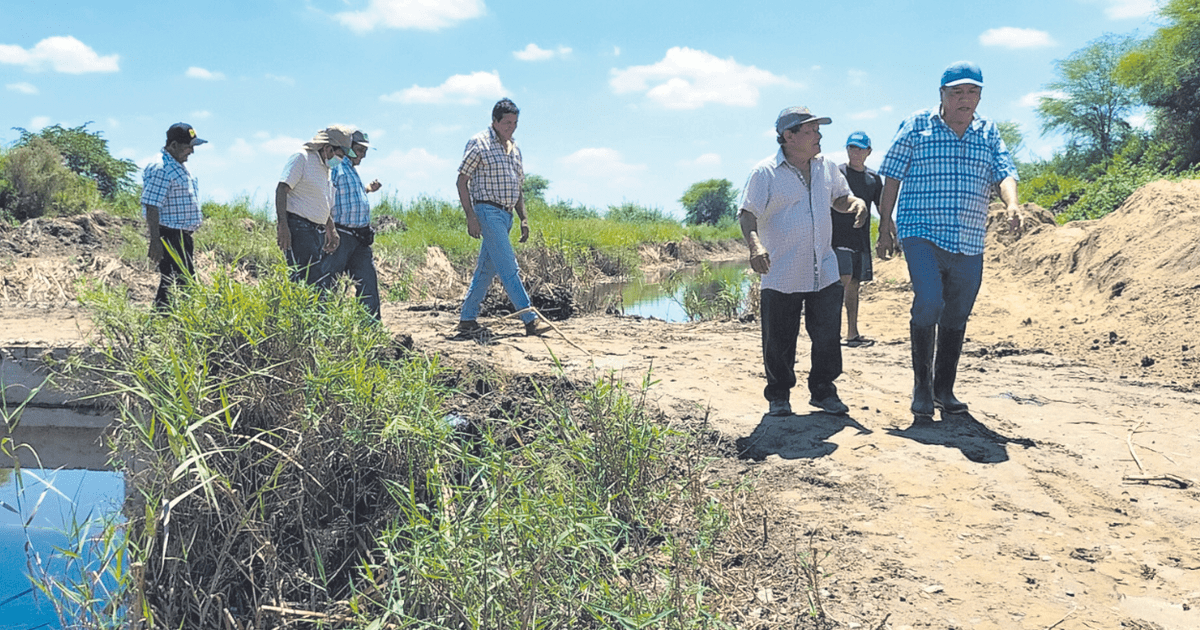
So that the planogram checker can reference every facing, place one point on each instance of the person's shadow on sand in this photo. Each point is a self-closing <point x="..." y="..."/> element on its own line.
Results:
<point x="795" y="436"/>
<point x="962" y="431"/>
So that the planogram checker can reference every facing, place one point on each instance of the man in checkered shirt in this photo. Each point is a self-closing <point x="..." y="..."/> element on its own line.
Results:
<point x="352" y="218"/>
<point x="489" y="189"/>
<point x="171" y="204"/>
<point x="948" y="161"/>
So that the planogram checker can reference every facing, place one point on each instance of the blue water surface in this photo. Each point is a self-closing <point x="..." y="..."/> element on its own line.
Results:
<point x="38" y="512"/>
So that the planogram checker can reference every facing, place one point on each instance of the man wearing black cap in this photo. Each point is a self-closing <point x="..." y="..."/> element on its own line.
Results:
<point x="171" y="203"/>
<point x="785" y="221"/>
<point x="949" y="160"/>
<point x="852" y="234"/>
<point x="351" y="216"/>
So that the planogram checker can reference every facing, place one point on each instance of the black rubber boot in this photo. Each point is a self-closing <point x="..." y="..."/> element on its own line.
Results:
<point x="922" y="357"/>
<point x="945" y="369"/>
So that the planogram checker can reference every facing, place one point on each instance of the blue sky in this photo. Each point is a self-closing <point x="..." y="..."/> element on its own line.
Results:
<point x="620" y="101"/>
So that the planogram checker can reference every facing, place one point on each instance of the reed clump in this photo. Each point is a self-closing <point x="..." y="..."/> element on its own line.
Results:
<point x="291" y="463"/>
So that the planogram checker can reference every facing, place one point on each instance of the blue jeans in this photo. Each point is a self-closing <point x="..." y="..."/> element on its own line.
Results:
<point x="781" y="313"/>
<point x="305" y="256"/>
<point x="944" y="284"/>
<point x="496" y="258"/>
<point x="357" y="260"/>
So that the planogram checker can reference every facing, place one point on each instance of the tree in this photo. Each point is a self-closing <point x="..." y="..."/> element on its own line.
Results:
<point x="34" y="182"/>
<point x="1010" y="133"/>
<point x="534" y="187"/>
<point x="1090" y="104"/>
<point x="709" y="201"/>
<point x="86" y="154"/>
<point x="1165" y="70"/>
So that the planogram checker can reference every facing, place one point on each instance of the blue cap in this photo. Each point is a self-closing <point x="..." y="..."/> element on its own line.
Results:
<point x="859" y="139"/>
<point x="961" y="72"/>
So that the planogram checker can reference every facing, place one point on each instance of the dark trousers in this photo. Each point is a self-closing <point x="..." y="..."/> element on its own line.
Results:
<point x="356" y="259"/>
<point x="306" y="254"/>
<point x="781" y="314"/>
<point x="171" y="272"/>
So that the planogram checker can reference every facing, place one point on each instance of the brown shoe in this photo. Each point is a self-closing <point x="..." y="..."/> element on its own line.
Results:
<point x="537" y="328"/>
<point x="468" y="326"/>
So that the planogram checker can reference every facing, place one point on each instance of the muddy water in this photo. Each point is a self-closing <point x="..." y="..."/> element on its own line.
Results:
<point x="663" y="298"/>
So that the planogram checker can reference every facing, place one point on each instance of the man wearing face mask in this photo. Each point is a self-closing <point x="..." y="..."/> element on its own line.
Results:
<point x="303" y="200"/>
<point x="948" y="161"/>
<point x="352" y="218"/>
<point x="171" y="204"/>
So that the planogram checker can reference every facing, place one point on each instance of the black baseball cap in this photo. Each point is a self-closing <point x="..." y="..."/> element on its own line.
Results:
<point x="183" y="133"/>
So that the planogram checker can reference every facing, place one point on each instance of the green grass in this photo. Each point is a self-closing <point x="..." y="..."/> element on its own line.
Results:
<point x="284" y="451"/>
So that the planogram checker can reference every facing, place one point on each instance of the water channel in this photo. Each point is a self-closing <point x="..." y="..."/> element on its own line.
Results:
<point x="664" y="298"/>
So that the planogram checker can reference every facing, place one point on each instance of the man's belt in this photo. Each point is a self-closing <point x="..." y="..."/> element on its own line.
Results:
<point x="476" y="202"/>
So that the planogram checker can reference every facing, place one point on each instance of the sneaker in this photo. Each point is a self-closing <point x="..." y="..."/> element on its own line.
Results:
<point x="830" y="404"/>
<point x="780" y="408"/>
<point x="537" y="328"/>
<point x="468" y="326"/>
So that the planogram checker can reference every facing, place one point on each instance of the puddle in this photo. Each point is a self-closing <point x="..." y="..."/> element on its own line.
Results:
<point x="658" y="300"/>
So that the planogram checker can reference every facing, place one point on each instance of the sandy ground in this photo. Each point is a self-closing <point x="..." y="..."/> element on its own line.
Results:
<point x="1021" y="514"/>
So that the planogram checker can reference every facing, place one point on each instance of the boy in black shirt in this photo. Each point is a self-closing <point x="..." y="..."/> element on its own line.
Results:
<point x="853" y="244"/>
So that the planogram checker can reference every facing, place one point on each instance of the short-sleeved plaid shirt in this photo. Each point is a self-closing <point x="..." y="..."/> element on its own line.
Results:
<point x="496" y="175"/>
<point x="168" y="186"/>
<point x="350" y="205"/>
<point x="946" y="180"/>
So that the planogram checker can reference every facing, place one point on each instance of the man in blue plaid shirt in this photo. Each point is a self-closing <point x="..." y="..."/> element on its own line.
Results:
<point x="948" y="161"/>
<point x="352" y="219"/>
<point x="171" y="204"/>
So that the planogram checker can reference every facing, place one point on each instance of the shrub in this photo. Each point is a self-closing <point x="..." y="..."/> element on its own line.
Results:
<point x="630" y="212"/>
<point x="37" y="183"/>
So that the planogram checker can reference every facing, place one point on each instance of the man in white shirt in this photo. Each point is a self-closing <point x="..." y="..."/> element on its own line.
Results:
<point x="786" y="223"/>
<point x="303" y="200"/>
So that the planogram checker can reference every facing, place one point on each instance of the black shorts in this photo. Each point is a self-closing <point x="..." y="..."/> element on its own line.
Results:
<point x="857" y="265"/>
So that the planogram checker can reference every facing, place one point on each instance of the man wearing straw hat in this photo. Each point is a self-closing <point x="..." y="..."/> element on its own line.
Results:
<point x="303" y="198"/>
<point x="352" y="218"/>
<point x="171" y="203"/>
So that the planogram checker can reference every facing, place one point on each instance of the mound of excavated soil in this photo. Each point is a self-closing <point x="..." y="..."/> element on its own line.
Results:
<point x="1119" y="292"/>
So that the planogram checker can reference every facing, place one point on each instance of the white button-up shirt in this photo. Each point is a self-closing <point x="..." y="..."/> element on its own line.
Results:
<point x="794" y="223"/>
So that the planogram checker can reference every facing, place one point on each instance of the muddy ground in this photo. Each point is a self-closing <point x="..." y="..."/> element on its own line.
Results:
<point x="1058" y="501"/>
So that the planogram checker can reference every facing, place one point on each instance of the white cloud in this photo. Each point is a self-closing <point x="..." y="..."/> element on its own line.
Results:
<point x="534" y="53"/>
<point x="601" y="163"/>
<point x="201" y="114"/>
<point x="687" y="79"/>
<point x="63" y="54"/>
<point x="465" y="89"/>
<point x="426" y="15"/>
<point x="703" y="160"/>
<point x="38" y="122"/>
<point x="265" y="143"/>
<point x="24" y="88"/>
<point x="871" y="114"/>
<point x="195" y="72"/>
<point x="1127" y="9"/>
<point x="113" y="123"/>
<point x="857" y="77"/>
<point x="616" y="51"/>
<point x="1012" y="37"/>
<point x="1033" y="99"/>
<point x="282" y="79"/>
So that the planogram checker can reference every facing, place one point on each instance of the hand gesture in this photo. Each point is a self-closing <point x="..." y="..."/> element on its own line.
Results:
<point x="373" y="186"/>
